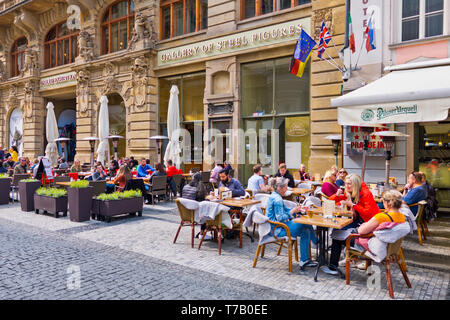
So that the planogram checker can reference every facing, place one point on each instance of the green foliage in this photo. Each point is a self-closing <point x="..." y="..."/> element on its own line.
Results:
<point x="29" y="180"/>
<point x="80" y="184"/>
<point x="120" y="195"/>
<point x="51" y="192"/>
<point x="4" y="176"/>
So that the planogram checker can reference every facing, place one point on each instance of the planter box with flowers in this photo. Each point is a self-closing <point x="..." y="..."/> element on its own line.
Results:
<point x="27" y="188"/>
<point x="53" y="200"/>
<point x="107" y="205"/>
<point x="80" y="200"/>
<point x="5" y="184"/>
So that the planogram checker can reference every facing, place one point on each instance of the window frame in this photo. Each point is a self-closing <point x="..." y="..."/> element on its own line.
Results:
<point x="117" y="21"/>
<point x="258" y="8"/>
<point x="15" y="55"/>
<point x="422" y="21"/>
<point x="171" y="4"/>
<point x="48" y="43"/>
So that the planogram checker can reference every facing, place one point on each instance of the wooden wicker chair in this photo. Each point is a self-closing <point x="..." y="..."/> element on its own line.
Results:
<point x="215" y="226"/>
<point x="290" y="242"/>
<point x="422" y="228"/>
<point x="394" y="254"/>
<point x="187" y="219"/>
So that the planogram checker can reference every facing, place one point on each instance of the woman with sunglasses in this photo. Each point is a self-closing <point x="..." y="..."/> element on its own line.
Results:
<point x="340" y="181"/>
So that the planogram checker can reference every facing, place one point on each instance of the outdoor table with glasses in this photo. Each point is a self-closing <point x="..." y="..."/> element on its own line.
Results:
<point x="237" y="206"/>
<point x="314" y="218"/>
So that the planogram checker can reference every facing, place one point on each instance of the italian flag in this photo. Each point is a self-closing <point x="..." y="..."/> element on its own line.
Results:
<point x="351" y="34"/>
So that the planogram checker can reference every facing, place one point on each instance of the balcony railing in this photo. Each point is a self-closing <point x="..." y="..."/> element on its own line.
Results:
<point x="7" y="4"/>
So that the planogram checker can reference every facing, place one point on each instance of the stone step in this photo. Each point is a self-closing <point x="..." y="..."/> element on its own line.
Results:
<point x="438" y="266"/>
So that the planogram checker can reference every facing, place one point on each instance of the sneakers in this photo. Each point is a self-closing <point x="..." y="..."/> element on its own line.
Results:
<point x="329" y="270"/>
<point x="207" y="237"/>
<point x="308" y="263"/>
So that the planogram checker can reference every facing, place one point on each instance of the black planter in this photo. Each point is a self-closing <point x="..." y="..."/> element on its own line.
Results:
<point x="50" y="204"/>
<point x="5" y="185"/>
<point x="80" y="203"/>
<point x="104" y="210"/>
<point x="26" y="192"/>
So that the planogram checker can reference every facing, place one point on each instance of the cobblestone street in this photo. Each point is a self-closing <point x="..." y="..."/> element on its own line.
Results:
<point x="134" y="258"/>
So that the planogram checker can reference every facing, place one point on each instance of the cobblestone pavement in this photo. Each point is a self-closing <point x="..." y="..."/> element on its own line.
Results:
<point x="135" y="258"/>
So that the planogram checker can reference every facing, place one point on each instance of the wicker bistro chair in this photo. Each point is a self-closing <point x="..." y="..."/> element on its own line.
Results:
<point x="206" y="175"/>
<point x="422" y="228"/>
<point x="289" y="241"/>
<point x="158" y="188"/>
<point x="215" y="226"/>
<point x="15" y="185"/>
<point x="394" y="254"/>
<point x="187" y="219"/>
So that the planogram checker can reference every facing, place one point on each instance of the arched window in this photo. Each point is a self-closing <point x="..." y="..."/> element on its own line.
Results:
<point x="60" y="46"/>
<point x="18" y="56"/>
<point x="117" y="25"/>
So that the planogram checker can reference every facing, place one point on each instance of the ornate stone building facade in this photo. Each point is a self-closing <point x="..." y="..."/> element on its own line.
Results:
<point x="229" y="59"/>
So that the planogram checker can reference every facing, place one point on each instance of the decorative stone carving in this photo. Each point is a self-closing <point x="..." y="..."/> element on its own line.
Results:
<point x="85" y="46"/>
<point x="110" y="83"/>
<point x="27" y="102"/>
<point x="143" y="35"/>
<point x="319" y="16"/>
<point x="139" y="83"/>
<point x="12" y="98"/>
<point x="31" y="64"/>
<point x="83" y="91"/>
<point x="3" y="75"/>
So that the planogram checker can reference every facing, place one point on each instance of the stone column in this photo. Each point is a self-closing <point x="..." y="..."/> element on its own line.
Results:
<point x="326" y="83"/>
<point x="34" y="114"/>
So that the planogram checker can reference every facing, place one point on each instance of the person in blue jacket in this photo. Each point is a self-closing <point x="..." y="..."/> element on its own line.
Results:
<point x="414" y="190"/>
<point x="234" y="185"/>
<point x="143" y="168"/>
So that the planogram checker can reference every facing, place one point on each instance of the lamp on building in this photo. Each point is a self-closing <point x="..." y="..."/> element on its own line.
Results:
<point x="115" y="140"/>
<point x="63" y="142"/>
<point x="366" y="131"/>
<point x="158" y="140"/>
<point x="336" y="140"/>
<point x="388" y="138"/>
<point x="92" y="143"/>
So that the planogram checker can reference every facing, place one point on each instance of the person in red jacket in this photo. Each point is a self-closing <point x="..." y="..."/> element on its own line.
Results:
<point x="171" y="169"/>
<point x="357" y="197"/>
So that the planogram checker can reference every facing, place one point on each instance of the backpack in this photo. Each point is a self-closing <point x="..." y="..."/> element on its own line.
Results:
<point x="432" y="205"/>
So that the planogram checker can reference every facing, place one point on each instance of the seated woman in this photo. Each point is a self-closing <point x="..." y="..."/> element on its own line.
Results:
<point x="342" y="173"/>
<point x="195" y="190"/>
<point x="76" y="167"/>
<point x="113" y="167"/>
<point x="277" y="211"/>
<point x="122" y="177"/>
<point x="329" y="186"/>
<point x="357" y="197"/>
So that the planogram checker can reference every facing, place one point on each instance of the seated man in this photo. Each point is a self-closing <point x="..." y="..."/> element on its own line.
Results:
<point x="2" y="168"/>
<point x="234" y="185"/>
<point x="414" y="191"/>
<point x="99" y="174"/>
<point x="22" y="167"/>
<point x="256" y="181"/>
<point x="171" y="171"/>
<point x="303" y="174"/>
<point x="63" y="164"/>
<point x="9" y="163"/>
<point x="143" y="168"/>
<point x="284" y="172"/>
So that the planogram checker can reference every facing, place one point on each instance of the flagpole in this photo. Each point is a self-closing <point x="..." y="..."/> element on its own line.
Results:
<point x="364" y="38"/>
<point x="335" y="63"/>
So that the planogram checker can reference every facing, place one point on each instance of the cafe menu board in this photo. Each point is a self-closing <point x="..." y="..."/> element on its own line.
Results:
<point x="47" y="168"/>
<point x="354" y="141"/>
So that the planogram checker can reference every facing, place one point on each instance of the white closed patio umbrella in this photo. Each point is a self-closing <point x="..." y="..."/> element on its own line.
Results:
<point x="173" y="149"/>
<point x="51" y="127"/>
<point x="103" y="131"/>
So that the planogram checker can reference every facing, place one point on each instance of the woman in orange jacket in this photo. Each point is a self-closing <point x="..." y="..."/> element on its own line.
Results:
<point x="357" y="197"/>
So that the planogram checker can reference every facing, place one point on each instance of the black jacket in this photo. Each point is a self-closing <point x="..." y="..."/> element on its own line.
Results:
<point x="289" y="176"/>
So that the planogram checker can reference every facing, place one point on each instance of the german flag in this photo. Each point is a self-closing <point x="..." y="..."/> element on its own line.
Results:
<point x="302" y="52"/>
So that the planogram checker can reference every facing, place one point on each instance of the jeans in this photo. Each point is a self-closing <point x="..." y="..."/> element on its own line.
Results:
<point x="110" y="187"/>
<point x="306" y="234"/>
<point x="336" y="246"/>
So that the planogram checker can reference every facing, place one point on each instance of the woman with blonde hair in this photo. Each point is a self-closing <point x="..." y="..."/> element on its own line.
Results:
<point x="329" y="186"/>
<point x="358" y="198"/>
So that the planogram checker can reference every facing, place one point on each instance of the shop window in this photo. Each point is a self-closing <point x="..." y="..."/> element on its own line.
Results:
<point x="422" y="19"/>
<point x="180" y="17"/>
<point x="18" y="56"/>
<point x="253" y="8"/>
<point x="60" y="46"/>
<point x="273" y="99"/>
<point x="117" y="25"/>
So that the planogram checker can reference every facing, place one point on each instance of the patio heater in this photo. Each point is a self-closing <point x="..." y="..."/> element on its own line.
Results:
<point x="388" y="138"/>
<point x="366" y="135"/>
<point x="63" y="142"/>
<point x="115" y="140"/>
<point x="336" y="140"/>
<point x="92" y="143"/>
<point x="158" y="140"/>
